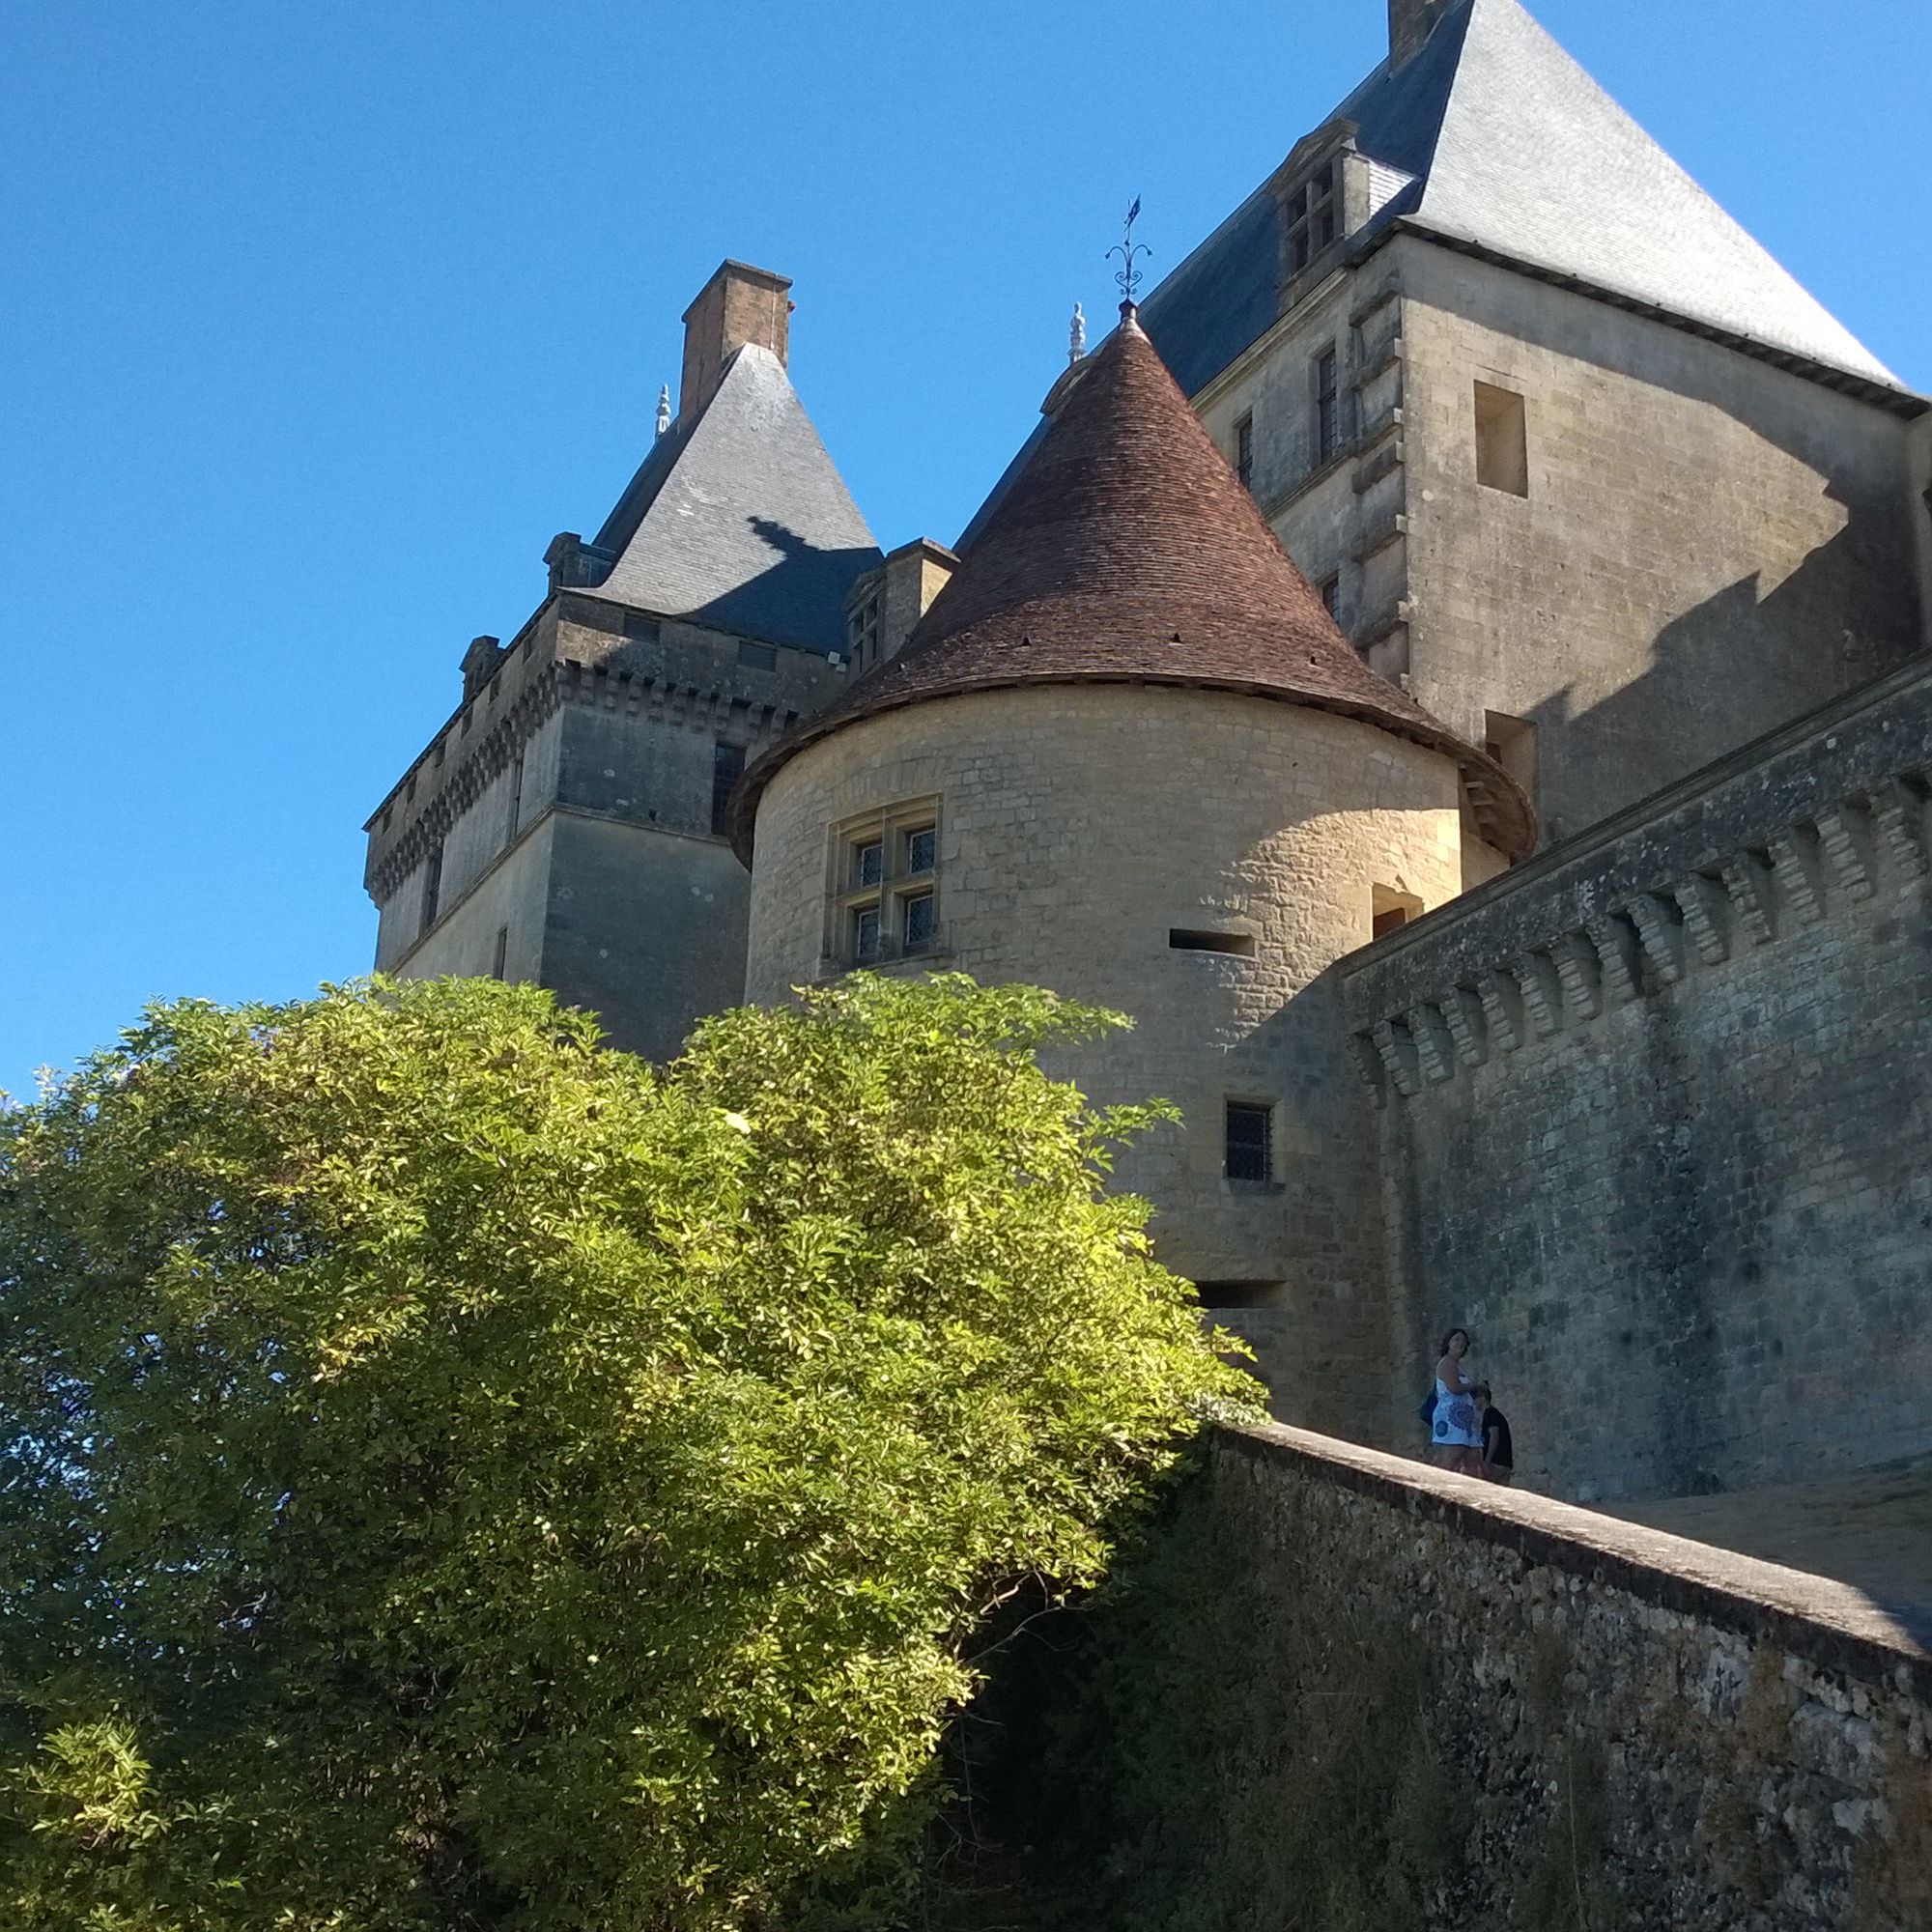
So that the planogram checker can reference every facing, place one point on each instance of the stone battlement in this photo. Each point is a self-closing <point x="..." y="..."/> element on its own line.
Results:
<point x="1825" y="815"/>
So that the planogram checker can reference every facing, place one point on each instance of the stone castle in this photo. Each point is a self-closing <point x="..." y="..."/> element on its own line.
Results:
<point x="1522" y="891"/>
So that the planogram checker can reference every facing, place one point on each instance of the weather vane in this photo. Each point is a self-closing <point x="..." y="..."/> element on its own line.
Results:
<point x="1129" y="277"/>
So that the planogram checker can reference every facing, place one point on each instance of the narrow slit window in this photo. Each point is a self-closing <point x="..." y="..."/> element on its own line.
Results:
<point x="1250" y="1140"/>
<point x="1244" y="451"/>
<point x="517" y="795"/>
<point x="1185" y="939"/>
<point x="1331" y="596"/>
<point x="1236" y="1293"/>
<point x="432" y="887"/>
<point x="1327" y="407"/>
<point x="1502" y="440"/>
<point x="502" y="952"/>
<point x="727" y="767"/>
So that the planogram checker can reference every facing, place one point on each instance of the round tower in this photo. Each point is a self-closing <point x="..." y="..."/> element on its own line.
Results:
<point x="1127" y="754"/>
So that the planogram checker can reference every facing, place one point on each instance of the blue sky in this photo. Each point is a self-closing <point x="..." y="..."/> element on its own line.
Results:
<point x="320" y="322"/>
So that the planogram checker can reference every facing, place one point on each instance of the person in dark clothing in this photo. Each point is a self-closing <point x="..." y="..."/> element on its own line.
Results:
<point x="1498" y="1465"/>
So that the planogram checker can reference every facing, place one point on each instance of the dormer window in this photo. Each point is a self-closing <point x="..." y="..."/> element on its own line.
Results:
<point x="863" y="632"/>
<point x="1313" y="215"/>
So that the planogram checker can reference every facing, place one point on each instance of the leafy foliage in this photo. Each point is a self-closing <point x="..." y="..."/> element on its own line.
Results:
<point x="455" y="1476"/>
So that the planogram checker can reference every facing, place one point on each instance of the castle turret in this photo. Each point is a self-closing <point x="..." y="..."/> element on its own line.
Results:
<point x="1127" y="754"/>
<point x="566" y="825"/>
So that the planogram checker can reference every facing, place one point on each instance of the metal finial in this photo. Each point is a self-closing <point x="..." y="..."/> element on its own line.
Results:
<point x="664" y="409"/>
<point x="1128" y="279"/>
<point x="1077" y="337"/>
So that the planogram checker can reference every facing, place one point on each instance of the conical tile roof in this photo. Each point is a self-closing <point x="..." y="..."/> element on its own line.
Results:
<point x="1127" y="552"/>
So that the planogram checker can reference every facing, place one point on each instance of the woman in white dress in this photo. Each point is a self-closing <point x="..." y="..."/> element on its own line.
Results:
<point x="1456" y="1430"/>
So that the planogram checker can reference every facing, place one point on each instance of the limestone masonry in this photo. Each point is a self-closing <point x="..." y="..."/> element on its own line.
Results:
<point x="1451" y="664"/>
<point x="1350" y="1691"/>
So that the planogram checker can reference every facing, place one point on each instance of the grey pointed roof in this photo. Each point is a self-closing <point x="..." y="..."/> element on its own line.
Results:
<point x="739" y="519"/>
<point x="1516" y="151"/>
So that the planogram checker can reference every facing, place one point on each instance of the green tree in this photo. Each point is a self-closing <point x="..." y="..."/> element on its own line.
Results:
<point x="452" y="1475"/>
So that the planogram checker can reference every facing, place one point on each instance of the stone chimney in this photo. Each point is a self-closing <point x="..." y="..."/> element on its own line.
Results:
<point x="1410" y="23"/>
<point x="737" y="306"/>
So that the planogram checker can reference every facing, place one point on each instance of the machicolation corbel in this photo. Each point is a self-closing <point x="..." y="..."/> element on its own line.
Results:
<point x="1898" y="810"/>
<point x="1794" y="858"/>
<point x="1749" y="879"/>
<point x="1659" y="925"/>
<point x="1705" y="904"/>
<point x="1580" y="975"/>
<point x="1845" y="833"/>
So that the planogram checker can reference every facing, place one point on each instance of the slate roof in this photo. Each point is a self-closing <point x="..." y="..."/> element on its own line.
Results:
<point x="1518" y="152"/>
<point x="739" y="518"/>
<point x="1127" y="552"/>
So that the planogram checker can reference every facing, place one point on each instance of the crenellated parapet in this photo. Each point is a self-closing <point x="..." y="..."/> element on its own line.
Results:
<point x="1777" y="839"/>
<point x="583" y="653"/>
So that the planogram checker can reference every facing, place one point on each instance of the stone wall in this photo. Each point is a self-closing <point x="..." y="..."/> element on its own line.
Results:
<point x="606" y="720"/>
<point x="1347" y="1694"/>
<point x="1656" y="1122"/>
<point x="1710" y="546"/>
<point x="1079" y="827"/>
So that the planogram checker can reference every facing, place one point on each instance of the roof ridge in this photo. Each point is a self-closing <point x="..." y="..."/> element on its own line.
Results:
<point x="1538" y="161"/>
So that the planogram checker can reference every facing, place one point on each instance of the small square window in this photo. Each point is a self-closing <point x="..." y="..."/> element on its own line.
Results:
<point x="1390" y="909"/>
<point x="865" y="933"/>
<point x="917" y="922"/>
<point x="869" y="863"/>
<point x="1250" y="1140"/>
<point x="920" y="848"/>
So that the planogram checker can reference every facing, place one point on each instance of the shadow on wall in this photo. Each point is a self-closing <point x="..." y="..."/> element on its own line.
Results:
<point x="1785" y="483"/>
<point x="1695" y="702"/>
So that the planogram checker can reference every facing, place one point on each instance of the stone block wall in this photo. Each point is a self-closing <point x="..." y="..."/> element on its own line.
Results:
<point x="1655" y="1115"/>
<point x="1079" y="826"/>
<point x="567" y="811"/>
<point x="1709" y="544"/>
<point x="1336" y="1690"/>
